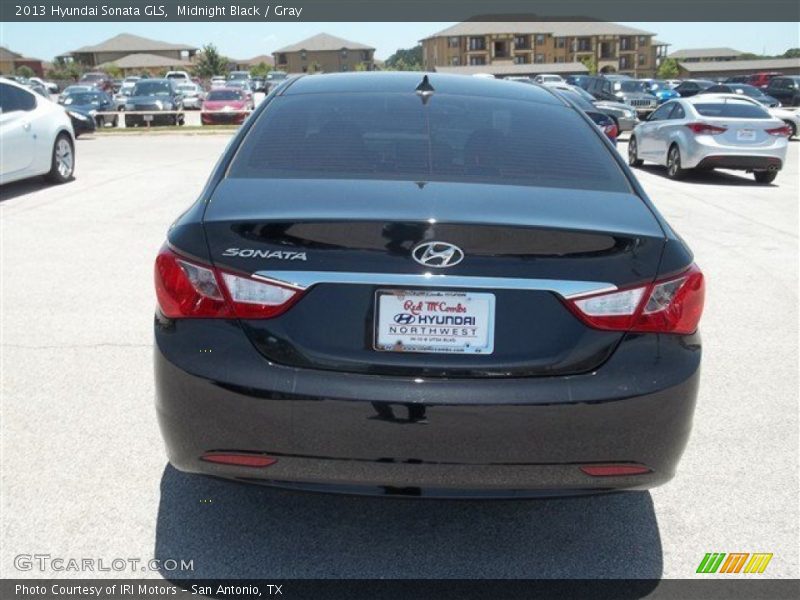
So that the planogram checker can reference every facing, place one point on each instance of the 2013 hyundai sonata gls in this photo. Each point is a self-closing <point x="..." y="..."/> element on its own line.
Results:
<point x="426" y="285"/>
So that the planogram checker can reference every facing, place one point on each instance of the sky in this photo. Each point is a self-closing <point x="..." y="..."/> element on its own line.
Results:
<point x="245" y="40"/>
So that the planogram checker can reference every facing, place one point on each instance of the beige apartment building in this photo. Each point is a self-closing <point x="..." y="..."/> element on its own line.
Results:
<point x="528" y="47"/>
<point x="324" y="53"/>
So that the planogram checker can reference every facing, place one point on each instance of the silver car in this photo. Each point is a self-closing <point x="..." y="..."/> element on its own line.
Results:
<point x="192" y="95"/>
<point x="624" y="116"/>
<point x="709" y="132"/>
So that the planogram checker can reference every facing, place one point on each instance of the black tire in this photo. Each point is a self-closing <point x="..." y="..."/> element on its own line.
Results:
<point x="115" y="122"/>
<point x="765" y="176"/>
<point x="674" y="168"/>
<point x="633" y="153"/>
<point x="793" y="127"/>
<point x="62" y="161"/>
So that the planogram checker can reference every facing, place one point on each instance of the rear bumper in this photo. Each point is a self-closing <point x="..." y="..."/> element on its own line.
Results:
<point x="747" y="163"/>
<point x="392" y="435"/>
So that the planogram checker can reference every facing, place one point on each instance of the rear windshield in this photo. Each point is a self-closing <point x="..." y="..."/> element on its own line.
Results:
<point x="224" y="95"/>
<point x="732" y="109"/>
<point x="451" y="138"/>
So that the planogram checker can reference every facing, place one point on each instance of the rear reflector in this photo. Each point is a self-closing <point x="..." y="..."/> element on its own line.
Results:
<point x="188" y="289"/>
<point x="239" y="459"/>
<point x="670" y="305"/>
<point x="614" y="470"/>
<point x="611" y="130"/>
<point x="780" y="131"/>
<point x="706" y="128"/>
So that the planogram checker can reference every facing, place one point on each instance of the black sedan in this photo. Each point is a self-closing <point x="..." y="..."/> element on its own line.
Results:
<point x="602" y="120"/>
<point x="745" y="90"/>
<point x="427" y="285"/>
<point x="95" y="105"/>
<point x="691" y="87"/>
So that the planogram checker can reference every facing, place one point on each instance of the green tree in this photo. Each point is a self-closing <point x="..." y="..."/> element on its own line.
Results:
<point x="792" y="53"/>
<point x="114" y="71"/>
<point x="260" y="70"/>
<point x="590" y="63"/>
<point x="210" y="63"/>
<point x="668" y="69"/>
<point x="25" y="71"/>
<point x="408" y="59"/>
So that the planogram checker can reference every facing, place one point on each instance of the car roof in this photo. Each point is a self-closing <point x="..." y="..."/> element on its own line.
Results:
<point x="407" y="82"/>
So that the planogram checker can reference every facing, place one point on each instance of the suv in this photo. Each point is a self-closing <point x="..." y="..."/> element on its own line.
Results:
<point x="239" y="75"/>
<point x="786" y="89"/>
<point x="628" y="91"/>
<point x="99" y="80"/>
<point x="761" y="80"/>
<point x="155" y="101"/>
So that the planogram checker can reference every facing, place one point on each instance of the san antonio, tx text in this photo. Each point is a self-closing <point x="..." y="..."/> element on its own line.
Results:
<point x="141" y="590"/>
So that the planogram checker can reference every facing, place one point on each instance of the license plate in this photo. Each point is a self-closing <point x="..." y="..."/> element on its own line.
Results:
<point x="434" y="322"/>
<point x="147" y="117"/>
<point x="746" y="135"/>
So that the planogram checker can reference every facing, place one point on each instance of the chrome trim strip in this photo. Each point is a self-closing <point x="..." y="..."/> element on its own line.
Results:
<point x="305" y="279"/>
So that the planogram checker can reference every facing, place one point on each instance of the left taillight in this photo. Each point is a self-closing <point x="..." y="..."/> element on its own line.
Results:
<point x="186" y="289"/>
<point x="670" y="305"/>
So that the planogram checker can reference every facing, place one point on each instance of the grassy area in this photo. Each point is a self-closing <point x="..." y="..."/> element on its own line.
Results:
<point x="167" y="129"/>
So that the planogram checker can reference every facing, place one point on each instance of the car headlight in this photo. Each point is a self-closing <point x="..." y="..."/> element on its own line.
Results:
<point x="159" y="104"/>
<point x="77" y="115"/>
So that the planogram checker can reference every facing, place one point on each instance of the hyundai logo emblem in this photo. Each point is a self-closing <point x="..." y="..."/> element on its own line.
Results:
<point x="437" y="254"/>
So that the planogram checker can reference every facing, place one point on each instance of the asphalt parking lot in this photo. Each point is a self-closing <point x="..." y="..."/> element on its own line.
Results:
<point x="84" y="472"/>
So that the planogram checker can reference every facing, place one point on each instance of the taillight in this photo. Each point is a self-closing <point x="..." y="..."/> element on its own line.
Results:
<point x="670" y="305"/>
<point x="780" y="131"/>
<point x="706" y="128"/>
<point x="186" y="289"/>
<point x="611" y="130"/>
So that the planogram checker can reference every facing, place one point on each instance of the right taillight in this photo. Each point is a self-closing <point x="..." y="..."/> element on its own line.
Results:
<point x="784" y="131"/>
<point x="706" y="128"/>
<point x="673" y="304"/>
<point x="186" y="289"/>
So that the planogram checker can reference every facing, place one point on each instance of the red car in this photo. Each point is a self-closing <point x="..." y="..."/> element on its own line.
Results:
<point x="225" y="105"/>
<point x="761" y="80"/>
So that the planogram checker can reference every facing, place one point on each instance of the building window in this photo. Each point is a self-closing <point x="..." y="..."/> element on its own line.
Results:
<point x="453" y="42"/>
<point x="365" y="55"/>
<point x="540" y="38"/>
<point x="539" y="58"/>
<point x="477" y="43"/>
<point x="642" y="40"/>
<point x="561" y="43"/>
<point x="624" y="63"/>
<point x="477" y="60"/>
<point x="344" y="52"/>
<point x="626" y="43"/>
<point x="521" y="42"/>
<point x="344" y="67"/>
<point x="642" y="60"/>
<point x="559" y="59"/>
<point x="282" y="59"/>
<point x="303" y="54"/>
<point x="584" y="45"/>
<point x="455" y="61"/>
<point x="521" y="59"/>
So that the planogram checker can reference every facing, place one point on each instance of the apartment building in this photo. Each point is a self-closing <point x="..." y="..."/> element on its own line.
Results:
<point x="498" y="45"/>
<point x="324" y="53"/>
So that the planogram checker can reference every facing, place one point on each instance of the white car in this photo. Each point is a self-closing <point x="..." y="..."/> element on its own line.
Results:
<point x="788" y="114"/>
<point x="178" y="75"/>
<point x="548" y="78"/>
<point x="36" y="136"/>
<point x="50" y="86"/>
<point x="711" y="132"/>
